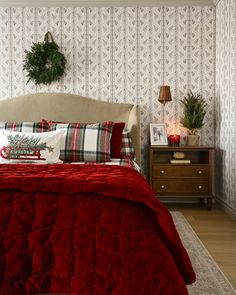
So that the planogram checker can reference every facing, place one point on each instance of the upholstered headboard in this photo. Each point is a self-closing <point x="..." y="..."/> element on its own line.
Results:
<point x="72" y="108"/>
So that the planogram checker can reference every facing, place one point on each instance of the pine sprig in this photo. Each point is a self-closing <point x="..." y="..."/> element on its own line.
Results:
<point x="21" y="144"/>
<point x="26" y="141"/>
<point x="194" y="112"/>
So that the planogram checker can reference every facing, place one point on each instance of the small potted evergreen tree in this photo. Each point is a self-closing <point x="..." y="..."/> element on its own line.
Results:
<point x="194" y="113"/>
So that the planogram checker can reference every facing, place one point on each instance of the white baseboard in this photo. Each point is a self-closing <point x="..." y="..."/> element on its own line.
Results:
<point x="228" y="209"/>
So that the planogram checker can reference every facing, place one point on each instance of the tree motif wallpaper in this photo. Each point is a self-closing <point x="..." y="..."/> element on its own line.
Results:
<point x="226" y="103"/>
<point x="120" y="55"/>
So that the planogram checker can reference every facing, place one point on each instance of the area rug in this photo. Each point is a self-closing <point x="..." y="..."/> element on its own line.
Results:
<point x="210" y="279"/>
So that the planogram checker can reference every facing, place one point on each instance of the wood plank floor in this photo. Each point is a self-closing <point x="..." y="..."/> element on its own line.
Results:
<point x="217" y="231"/>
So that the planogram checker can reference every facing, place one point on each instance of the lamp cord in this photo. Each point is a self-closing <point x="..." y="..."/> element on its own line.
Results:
<point x="163" y="113"/>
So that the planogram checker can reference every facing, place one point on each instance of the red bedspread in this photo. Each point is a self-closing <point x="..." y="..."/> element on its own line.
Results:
<point x="86" y="229"/>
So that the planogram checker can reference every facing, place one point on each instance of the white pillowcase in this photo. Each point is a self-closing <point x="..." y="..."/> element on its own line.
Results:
<point x="24" y="147"/>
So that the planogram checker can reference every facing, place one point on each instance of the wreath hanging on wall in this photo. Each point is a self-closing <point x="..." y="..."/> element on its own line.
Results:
<point x="44" y="63"/>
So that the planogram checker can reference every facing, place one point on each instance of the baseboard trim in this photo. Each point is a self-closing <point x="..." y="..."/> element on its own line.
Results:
<point x="228" y="209"/>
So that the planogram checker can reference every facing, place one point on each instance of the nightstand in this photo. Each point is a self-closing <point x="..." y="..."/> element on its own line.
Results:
<point x="181" y="179"/>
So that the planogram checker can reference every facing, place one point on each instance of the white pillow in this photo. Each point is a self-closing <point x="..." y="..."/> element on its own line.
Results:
<point x="25" y="147"/>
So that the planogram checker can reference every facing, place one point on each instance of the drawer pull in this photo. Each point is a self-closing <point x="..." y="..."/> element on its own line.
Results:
<point x="162" y="186"/>
<point x="199" y="187"/>
<point x="162" y="171"/>
<point x="200" y="172"/>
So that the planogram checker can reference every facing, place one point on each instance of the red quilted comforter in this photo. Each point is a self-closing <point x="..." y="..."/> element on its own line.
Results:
<point x="86" y="229"/>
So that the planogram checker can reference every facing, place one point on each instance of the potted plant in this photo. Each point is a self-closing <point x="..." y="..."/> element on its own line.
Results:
<point x="194" y="113"/>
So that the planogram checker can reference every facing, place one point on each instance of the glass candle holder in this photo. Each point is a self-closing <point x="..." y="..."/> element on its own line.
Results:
<point x="173" y="140"/>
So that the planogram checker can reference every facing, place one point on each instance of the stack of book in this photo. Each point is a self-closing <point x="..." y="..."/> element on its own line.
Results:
<point x="180" y="161"/>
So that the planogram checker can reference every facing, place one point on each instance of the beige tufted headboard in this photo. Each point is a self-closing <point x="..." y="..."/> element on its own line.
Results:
<point x="71" y="108"/>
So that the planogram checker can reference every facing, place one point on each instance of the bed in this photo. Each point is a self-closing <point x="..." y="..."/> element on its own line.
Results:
<point x="84" y="228"/>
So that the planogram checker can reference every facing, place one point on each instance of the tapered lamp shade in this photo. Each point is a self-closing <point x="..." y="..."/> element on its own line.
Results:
<point x="164" y="94"/>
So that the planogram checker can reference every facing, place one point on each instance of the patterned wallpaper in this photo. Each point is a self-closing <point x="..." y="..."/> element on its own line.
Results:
<point x="119" y="55"/>
<point x="226" y="102"/>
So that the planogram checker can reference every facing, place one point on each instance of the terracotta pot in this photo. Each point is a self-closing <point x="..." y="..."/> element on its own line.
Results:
<point x="193" y="139"/>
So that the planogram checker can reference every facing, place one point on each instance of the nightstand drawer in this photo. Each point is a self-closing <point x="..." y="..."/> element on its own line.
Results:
<point x="182" y="170"/>
<point x="180" y="186"/>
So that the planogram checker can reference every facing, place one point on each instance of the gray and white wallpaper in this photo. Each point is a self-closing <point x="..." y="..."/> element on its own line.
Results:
<point x="119" y="55"/>
<point x="226" y="102"/>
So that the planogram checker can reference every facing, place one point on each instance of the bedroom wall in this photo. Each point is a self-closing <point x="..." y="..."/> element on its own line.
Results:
<point x="119" y="55"/>
<point x="226" y="103"/>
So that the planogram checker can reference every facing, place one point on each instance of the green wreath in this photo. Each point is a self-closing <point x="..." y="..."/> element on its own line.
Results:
<point x="44" y="63"/>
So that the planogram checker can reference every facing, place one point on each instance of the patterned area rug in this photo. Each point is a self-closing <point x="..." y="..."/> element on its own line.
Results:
<point x="210" y="279"/>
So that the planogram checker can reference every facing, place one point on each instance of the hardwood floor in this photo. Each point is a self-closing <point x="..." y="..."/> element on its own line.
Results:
<point x="217" y="231"/>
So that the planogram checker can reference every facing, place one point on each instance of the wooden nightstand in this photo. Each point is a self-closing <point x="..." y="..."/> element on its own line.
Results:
<point x="175" y="180"/>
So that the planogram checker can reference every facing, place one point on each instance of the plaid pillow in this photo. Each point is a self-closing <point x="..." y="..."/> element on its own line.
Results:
<point x="30" y="127"/>
<point x="127" y="150"/>
<point x="85" y="142"/>
<point x="120" y="162"/>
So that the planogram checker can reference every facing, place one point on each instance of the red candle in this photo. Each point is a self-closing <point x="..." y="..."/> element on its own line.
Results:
<point x="174" y="140"/>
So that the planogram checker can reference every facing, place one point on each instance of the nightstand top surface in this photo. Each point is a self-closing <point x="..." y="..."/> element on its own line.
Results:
<point x="183" y="147"/>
